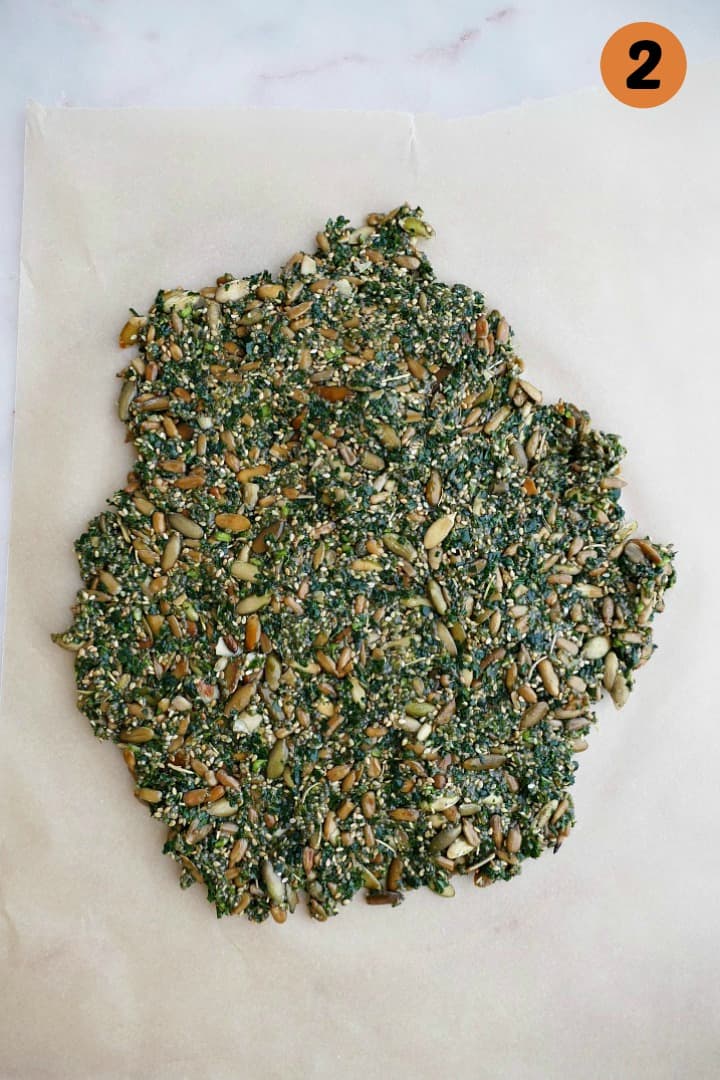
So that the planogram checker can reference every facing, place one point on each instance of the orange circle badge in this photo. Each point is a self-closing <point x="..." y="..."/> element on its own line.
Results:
<point x="643" y="64"/>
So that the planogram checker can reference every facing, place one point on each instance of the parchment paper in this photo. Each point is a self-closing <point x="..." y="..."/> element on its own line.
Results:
<point x="596" y="229"/>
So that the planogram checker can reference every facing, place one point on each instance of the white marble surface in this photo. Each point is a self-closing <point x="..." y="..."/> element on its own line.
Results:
<point x="454" y="57"/>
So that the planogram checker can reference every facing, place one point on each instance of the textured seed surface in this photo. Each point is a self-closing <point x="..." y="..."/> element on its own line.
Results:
<point x="350" y="616"/>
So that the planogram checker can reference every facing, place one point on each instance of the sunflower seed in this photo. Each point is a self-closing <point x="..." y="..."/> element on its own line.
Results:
<point x="438" y="531"/>
<point x="277" y="759"/>
<point x="252" y="603"/>
<point x="514" y="840"/>
<point x="185" y="526"/>
<point x="243" y="571"/>
<point x="232" y="522"/>
<point x="433" y="488"/>
<point x="549" y="677"/>
<point x="533" y="715"/>
<point x="459" y="849"/>
<point x="595" y="648"/>
<point x="171" y="552"/>
<point x="272" y="881"/>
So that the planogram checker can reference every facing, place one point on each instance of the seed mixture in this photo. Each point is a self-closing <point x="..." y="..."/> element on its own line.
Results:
<point x="349" y="618"/>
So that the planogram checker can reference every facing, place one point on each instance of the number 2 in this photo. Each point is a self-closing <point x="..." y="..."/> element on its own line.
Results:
<point x="638" y="79"/>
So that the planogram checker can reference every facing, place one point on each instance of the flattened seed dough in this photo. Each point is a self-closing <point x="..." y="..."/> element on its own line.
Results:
<point x="349" y="616"/>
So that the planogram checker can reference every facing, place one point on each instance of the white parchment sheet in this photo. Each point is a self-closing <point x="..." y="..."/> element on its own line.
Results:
<point x="596" y="229"/>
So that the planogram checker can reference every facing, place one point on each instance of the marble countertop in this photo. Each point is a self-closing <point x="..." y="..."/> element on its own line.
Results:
<point x="460" y="57"/>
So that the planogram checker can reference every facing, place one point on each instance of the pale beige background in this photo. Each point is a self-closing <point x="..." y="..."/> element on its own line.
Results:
<point x="596" y="228"/>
